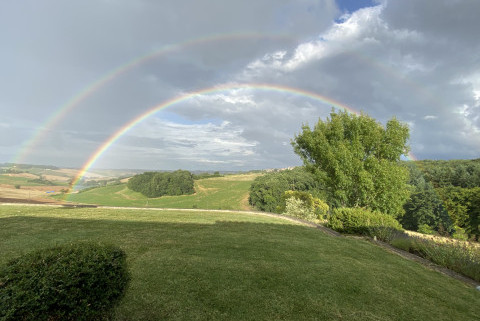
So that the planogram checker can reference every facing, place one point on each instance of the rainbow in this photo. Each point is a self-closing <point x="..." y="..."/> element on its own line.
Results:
<point x="183" y="97"/>
<point x="108" y="77"/>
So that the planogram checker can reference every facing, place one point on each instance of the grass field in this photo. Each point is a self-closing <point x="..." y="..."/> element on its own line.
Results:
<point x="228" y="193"/>
<point x="13" y="180"/>
<point x="227" y="266"/>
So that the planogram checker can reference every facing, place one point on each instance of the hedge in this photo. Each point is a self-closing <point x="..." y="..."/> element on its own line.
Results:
<point x="360" y="221"/>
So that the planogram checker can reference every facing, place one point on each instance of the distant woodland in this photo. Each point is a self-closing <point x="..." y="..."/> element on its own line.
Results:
<point x="156" y="184"/>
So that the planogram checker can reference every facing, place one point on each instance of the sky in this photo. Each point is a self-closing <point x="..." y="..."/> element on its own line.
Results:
<point x="226" y="85"/>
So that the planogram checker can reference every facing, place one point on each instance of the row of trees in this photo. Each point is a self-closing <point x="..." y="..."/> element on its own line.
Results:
<point x="156" y="184"/>
<point x="354" y="161"/>
<point x="443" y="173"/>
<point x="443" y="203"/>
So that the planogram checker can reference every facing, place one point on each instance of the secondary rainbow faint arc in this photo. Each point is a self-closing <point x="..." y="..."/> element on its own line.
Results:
<point x="184" y="97"/>
<point x="178" y="99"/>
<point x="112" y="74"/>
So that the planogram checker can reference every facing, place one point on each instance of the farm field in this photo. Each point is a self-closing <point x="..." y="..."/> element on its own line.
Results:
<point x="229" y="193"/>
<point x="237" y="266"/>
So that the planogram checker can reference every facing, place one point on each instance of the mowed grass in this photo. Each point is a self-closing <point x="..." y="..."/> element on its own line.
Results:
<point x="227" y="193"/>
<point x="228" y="266"/>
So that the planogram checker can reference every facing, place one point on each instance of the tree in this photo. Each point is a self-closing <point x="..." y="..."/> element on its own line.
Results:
<point x="426" y="208"/>
<point x="156" y="184"/>
<point x="358" y="161"/>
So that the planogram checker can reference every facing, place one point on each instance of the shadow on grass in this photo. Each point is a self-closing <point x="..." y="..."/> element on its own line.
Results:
<point x="220" y="270"/>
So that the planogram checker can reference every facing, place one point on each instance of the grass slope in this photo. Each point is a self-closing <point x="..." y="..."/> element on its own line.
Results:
<point x="229" y="192"/>
<point x="225" y="266"/>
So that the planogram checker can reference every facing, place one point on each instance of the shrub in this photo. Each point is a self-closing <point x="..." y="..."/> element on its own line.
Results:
<point x="360" y="221"/>
<point x="460" y="234"/>
<point x="321" y="208"/>
<point x="404" y="243"/>
<point x="425" y="229"/>
<point x="266" y="191"/>
<point x="299" y="208"/>
<point x="72" y="282"/>
<point x="384" y="233"/>
<point x="303" y="205"/>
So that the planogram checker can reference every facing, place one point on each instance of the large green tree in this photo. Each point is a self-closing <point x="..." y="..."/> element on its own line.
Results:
<point x="358" y="160"/>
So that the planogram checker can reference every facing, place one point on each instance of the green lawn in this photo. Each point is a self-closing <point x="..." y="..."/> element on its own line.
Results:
<point x="228" y="193"/>
<point x="226" y="266"/>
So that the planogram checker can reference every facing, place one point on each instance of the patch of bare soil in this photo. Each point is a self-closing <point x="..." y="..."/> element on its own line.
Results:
<point x="29" y="193"/>
<point x="56" y="178"/>
<point x="68" y="171"/>
<point x="240" y="177"/>
<point x="28" y="201"/>
<point x="24" y="175"/>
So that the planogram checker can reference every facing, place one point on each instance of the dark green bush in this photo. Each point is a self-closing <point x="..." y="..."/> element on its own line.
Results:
<point x="72" y="282"/>
<point x="361" y="221"/>
<point x="157" y="184"/>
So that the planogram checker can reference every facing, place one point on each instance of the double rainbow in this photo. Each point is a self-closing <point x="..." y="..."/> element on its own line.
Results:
<point x="113" y="74"/>
<point x="184" y="97"/>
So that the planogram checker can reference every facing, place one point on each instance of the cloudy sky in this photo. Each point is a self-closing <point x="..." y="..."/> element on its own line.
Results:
<point x="74" y="73"/>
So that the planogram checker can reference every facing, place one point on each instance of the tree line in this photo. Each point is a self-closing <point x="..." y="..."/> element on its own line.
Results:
<point x="353" y="161"/>
<point x="445" y="197"/>
<point x="156" y="184"/>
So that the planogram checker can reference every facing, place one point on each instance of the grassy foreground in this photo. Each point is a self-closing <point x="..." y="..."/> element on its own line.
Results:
<point x="227" y="193"/>
<point x="226" y="266"/>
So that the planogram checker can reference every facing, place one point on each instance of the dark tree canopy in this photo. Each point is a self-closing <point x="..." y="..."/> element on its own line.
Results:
<point x="156" y="184"/>
<point x="358" y="160"/>
<point x="443" y="187"/>
<point x="443" y="173"/>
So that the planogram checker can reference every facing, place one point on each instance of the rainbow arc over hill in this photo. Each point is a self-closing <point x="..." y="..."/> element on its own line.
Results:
<point x="206" y="91"/>
<point x="120" y="70"/>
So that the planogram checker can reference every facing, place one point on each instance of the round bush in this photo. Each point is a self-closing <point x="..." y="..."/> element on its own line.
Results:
<point x="72" y="282"/>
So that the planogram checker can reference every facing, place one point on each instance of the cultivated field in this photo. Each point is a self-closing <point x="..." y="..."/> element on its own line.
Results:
<point x="228" y="193"/>
<point x="236" y="266"/>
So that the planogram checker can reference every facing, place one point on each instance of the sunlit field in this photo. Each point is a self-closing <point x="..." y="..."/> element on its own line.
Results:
<point x="228" y="193"/>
